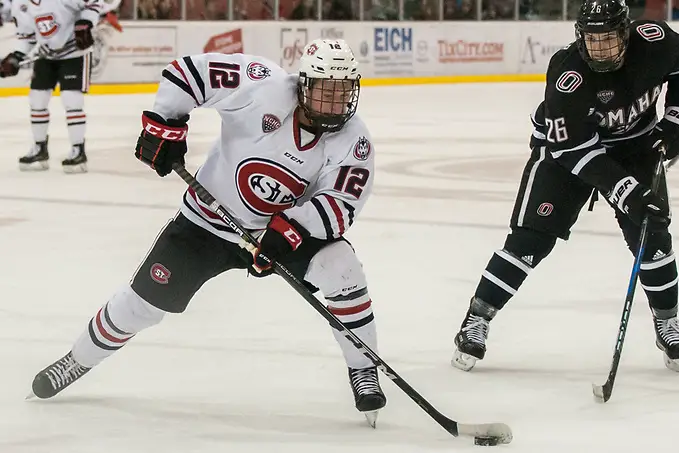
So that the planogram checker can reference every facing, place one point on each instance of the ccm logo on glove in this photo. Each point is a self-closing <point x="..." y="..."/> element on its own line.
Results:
<point x="173" y="134"/>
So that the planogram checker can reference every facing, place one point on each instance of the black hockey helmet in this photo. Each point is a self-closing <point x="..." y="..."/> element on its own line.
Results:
<point x="602" y="33"/>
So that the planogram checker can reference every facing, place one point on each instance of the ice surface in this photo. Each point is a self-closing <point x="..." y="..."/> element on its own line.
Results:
<point x="251" y="368"/>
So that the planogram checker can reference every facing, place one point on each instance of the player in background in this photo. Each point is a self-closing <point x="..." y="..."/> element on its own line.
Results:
<point x="293" y="164"/>
<point x="595" y="131"/>
<point x="62" y="32"/>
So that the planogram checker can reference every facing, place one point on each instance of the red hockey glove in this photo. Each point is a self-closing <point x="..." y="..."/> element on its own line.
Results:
<point x="162" y="143"/>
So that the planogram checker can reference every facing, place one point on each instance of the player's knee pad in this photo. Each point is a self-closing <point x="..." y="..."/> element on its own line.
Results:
<point x="127" y="313"/>
<point x="338" y="273"/>
<point x="72" y="100"/>
<point x="39" y="99"/>
<point x="531" y="246"/>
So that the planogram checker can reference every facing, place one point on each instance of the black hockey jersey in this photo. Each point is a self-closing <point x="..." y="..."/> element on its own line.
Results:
<point x="585" y="112"/>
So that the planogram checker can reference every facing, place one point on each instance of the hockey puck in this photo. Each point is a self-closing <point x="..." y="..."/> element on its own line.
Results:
<point x="486" y="441"/>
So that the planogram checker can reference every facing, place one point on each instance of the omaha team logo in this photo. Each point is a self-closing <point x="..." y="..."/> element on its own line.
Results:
<point x="362" y="149"/>
<point x="569" y="81"/>
<point x="266" y="187"/>
<point x="257" y="71"/>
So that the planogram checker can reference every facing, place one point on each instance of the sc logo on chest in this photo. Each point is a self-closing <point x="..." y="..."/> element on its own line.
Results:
<point x="266" y="187"/>
<point x="46" y="25"/>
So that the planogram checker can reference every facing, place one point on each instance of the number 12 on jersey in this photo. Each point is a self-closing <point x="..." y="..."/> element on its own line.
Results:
<point x="352" y="180"/>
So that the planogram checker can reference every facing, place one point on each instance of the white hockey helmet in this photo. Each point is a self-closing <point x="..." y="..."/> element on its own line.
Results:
<point x="329" y="83"/>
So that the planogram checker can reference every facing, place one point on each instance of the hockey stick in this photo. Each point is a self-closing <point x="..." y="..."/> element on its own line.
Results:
<point x="494" y="433"/>
<point x="602" y="393"/>
<point x="33" y="57"/>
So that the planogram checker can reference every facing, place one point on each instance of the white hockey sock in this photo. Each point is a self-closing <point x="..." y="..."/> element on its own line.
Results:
<point x="40" y="115"/>
<point x="114" y="324"/>
<point x="355" y="312"/>
<point x="73" y="102"/>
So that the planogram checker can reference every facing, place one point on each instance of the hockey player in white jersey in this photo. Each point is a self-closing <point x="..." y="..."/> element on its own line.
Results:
<point x="293" y="163"/>
<point x="62" y="32"/>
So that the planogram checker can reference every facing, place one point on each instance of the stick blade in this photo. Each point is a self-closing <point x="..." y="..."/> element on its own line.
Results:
<point x="602" y="393"/>
<point x="500" y="431"/>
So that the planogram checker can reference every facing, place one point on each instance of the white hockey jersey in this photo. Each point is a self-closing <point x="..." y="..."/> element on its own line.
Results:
<point x="264" y="162"/>
<point x="50" y="24"/>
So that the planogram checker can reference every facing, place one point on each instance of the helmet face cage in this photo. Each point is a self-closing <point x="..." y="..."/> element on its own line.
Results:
<point x="602" y="34"/>
<point x="328" y="103"/>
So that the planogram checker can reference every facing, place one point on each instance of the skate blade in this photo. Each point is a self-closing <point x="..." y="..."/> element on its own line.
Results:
<point x="371" y="417"/>
<point x="462" y="361"/>
<point x="73" y="169"/>
<point x="31" y="396"/>
<point x="671" y="364"/>
<point x="35" y="166"/>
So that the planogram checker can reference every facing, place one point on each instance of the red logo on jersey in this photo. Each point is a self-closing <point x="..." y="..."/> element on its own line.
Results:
<point x="257" y="71"/>
<point x="46" y="25"/>
<point x="160" y="274"/>
<point x="266" y="187"/>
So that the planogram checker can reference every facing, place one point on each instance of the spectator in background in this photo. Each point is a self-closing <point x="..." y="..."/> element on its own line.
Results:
<point x="216" y="9"/>
<point x="420" y="10"/>
<point x="158" y="9"/>
<point x="337" y="10"/>
<point x="253" y="9"/>
<point x="498" y="10"/>
<point x="381" y="10"/>
<point x="459" y="10"/>
<point x="305" y="10"/>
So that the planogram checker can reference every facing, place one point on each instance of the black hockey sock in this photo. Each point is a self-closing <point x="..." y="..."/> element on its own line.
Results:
<point x="659" y="279"/>
<point x="502" y="278"/>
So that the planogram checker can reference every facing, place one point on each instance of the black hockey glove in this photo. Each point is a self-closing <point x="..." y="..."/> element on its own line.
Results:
<point x="282" y="236"/>
<point x="9" y="66"/>
<point x="666" y="133"/>
<point x="638" y="201"/>
<point x="161" y="143"/>
<point x="83" y="34"/>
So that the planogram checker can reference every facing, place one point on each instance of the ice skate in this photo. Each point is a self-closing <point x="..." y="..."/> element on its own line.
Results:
<point x="77" y="161"/>
<point x="57" y="377"/>
<point x="471" y="339"/>
<point x="367" y="392"/>
<point x="37" y="158"/>
<point x="667" y="336"/>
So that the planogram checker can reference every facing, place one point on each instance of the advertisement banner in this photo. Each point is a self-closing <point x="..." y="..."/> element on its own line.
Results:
<point x="291" y="43"/>
<point x="383" y="49"/>
<point x="137" y="55"/>
<point x="538" y="42"/>
<point x="473" y="48"/>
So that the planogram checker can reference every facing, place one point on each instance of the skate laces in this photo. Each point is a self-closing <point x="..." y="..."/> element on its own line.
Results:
<point x="64" y="371"/>
<point x="668" y="330"/>
<point x="476" y="328"/>
<point x="365" y="381"/>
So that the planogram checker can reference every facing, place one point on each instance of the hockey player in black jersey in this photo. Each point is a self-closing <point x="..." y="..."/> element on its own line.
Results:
<point x="596" y="131"/>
